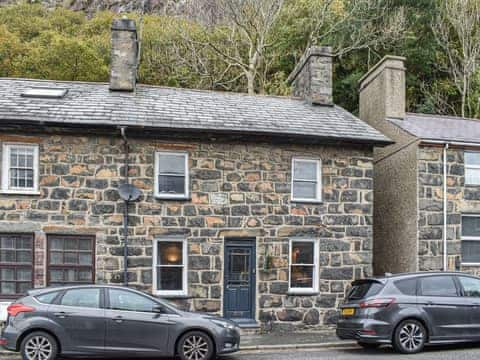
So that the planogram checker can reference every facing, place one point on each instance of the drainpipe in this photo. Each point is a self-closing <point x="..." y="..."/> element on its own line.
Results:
<point x="445" y="210"/>
<point x="125" y="211"/>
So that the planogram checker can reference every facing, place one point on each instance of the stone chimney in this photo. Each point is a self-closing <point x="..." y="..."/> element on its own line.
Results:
<point x="312" y="77"/>
<point x="382" y="90"/>
<point x="123" y="67"/>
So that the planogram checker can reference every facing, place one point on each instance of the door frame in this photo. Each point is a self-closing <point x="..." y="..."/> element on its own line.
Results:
<point x="250" y="242"/>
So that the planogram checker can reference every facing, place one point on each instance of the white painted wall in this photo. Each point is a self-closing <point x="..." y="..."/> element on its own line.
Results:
<point x="3" y="310"/>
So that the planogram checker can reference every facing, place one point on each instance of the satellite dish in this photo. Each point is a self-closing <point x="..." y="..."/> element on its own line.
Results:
<point x="129" y="192"/>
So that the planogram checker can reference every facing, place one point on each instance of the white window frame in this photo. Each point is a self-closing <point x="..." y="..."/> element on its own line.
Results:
<point x="473" y="167"/>
<point x="318" y="162"/>
<point x="160" y="195"/>
<point x="159" y="292"/>
<point x="316" y="268"/>
<point x="6" y="189"/>
<point x="469" y="238"/>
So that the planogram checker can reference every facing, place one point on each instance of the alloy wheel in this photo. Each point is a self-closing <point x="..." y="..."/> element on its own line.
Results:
<point x="195" y="348"/>
<point x="38" y="348"/>
<point x="411" y="337"/>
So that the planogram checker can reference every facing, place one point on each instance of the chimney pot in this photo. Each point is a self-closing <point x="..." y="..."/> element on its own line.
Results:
<point x="312" y="77"/>
<point x="124" y="55"/>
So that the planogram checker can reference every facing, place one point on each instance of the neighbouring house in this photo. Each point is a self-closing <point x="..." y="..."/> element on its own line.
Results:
<point x="427" y="184"/>
<point x="258" y="208"/>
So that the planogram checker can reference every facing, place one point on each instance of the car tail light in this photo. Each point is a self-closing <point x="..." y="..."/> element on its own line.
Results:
<point x="377" y="303"/>
<point x="15" y="309"/>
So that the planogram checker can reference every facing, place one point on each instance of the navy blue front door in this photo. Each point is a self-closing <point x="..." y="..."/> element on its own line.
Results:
<point x="239" y="301"/>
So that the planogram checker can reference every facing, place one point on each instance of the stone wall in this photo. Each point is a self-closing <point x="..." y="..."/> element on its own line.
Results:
<point x="78" y="180"/>
<point x="461" y="199"/>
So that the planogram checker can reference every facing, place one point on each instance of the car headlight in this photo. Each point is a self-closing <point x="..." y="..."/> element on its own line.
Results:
<point x="224" y="324"/>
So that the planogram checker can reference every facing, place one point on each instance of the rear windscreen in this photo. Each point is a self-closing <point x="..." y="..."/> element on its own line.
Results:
<point x="364" y="290"/>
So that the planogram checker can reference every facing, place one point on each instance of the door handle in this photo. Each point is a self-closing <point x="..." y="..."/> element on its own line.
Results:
<point x="61" y="314"/>
<point x="118" y="319"/>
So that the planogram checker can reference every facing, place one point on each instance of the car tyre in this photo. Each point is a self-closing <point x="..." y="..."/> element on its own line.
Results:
<point x="39" y="345"/>
<point x="368" y="345"/>
<point x="409" y="337"/>
<point x="195" y="345"/>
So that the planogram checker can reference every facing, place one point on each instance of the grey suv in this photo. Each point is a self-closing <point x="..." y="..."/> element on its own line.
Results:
<point x="111" y="321"/>
<point x="411" y="310"/>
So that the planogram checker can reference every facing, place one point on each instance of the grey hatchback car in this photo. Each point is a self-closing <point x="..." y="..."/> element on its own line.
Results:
<point x="111" y="321"/>
<point x="411" y="310"/>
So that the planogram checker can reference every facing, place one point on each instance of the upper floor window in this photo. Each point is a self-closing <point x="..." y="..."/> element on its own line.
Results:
<point x="304" y="267"/>
<point x="471" y="239"/>
<point x="170" y="267"/>
<point x="171" y="175"/>
<point x="20" y="168"/>
<point x="472" y="168"/>
<point x="306" y="180"/>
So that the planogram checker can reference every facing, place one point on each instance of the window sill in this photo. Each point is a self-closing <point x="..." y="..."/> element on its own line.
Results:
<point x="470" y="264"/>
<point x="306" y="201"/>
<point x="302" y="293"/>
<point x="172" y="296"/>
<point x="173" y="198"/>
<point x="20" y="192"/>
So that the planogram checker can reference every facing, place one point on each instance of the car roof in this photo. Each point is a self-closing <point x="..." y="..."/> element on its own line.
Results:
<point x="405" y="275"/>
<point x="39" y="291"/>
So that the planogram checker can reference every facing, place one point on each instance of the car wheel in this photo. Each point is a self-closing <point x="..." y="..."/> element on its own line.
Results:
<point x="195" y="345"/>
<point x="39" y="346"/>
<point x="409" y="337"/>
<point x="368" y="345"/>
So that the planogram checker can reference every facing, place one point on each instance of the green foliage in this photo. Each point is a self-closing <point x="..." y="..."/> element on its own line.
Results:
<point x="36" y="42"/>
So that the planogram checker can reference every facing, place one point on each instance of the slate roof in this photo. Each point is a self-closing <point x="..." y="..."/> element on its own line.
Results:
<point x="92" y="104"/>
<point x="442" y="128"/>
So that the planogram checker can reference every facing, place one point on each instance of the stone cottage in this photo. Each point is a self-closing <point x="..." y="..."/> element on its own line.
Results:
<point x="427" y="184"/>
<point x="258" y="208"/>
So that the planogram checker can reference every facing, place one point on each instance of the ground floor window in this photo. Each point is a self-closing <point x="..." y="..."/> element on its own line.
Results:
<point x="170" y="267"/>
<point x="471" y="239"/>
<point x="16" y="264"/>
<point x="303" y="266"/>
<point x="71" y="259"/>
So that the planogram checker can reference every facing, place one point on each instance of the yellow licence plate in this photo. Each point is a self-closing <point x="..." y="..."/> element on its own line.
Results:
<point x="348" y="311"/>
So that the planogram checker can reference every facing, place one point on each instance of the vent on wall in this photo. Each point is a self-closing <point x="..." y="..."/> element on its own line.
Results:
<point x="45" y="92"/>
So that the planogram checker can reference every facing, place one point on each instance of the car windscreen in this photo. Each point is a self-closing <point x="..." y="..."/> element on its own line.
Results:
<point x="364" y="289"/>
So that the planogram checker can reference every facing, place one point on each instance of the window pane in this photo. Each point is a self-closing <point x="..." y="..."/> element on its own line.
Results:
<point x="70" y="275"/>
<point x="56" y="275"/>
<point x="472" y="158"/>
<point x="85" y="275"/>
<point x="471" y="226"/>
<point x="471" y="286"/>
<point x="170" y="253"/>
<point x="171" y="164"/>
<point x="470" y="251"/>
<point x="56" y="258"/>
<point x="24" y="274"/>
<point x="364" y="290"/>
<point x="438" y="286"/>
<point x="70" y="244"/>
<point x="85" y="244"/>
<point x="304" y="190"/>
<point x="24" y="256"/>
<point x="171" y="184"/>
<point x="7" y="288"/>
<point x="302" y="252"/>
<point x="56" y="244"/>
<point x="302" y="277"/>
<point x="407" y="286"/>
<point x="85" y="258"/>
<point x="129" y="301"/>
<point x="70" y="258"/>
<point x="472" y="176"/>
<point x="305" y="170"/>
<point x="24" y="243"/>
<point x="7" y="274"/>
<point x="7" y="243"/>
<point x="169" y="278"/>
<point x="82" y="297"/>
<point x="7" y="256"/>
<point x="23" y="287"/>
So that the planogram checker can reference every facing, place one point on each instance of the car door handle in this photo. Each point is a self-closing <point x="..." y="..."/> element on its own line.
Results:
<point x="61" y="314"/>
<point x="118" y="319"/>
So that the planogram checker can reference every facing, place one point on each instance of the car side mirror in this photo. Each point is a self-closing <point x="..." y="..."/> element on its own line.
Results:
<point x="158" y="309"/>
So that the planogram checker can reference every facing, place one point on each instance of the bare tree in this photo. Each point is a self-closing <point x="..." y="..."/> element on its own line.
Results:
<point x="244" y="27"/>
<point x="457" y="31"/>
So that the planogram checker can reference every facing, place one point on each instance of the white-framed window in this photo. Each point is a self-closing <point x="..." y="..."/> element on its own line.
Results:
<point x="303" y="266"/>
<point x="306" y="180"/>
<point x="471" y="239"/>
<point x="170" y="267"/>
<point x="20" y="168"/>
<point x="472" y="167"/>
<point x="171" y="175"/>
